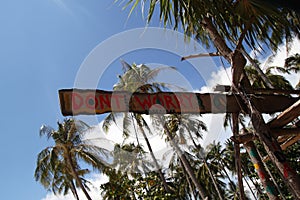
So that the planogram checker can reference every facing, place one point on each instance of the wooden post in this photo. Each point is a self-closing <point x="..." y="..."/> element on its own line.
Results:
<point x="286" y="116"/>
<point x="283" y="132"/>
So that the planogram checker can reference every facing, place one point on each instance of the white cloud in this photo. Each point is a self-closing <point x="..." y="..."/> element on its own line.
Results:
<point x="214" y="122"/>
<point x="280" y="57"/>
<point x="216" y="132"/>
<point x="282" y="54"/>
<point x="221" y="77"/>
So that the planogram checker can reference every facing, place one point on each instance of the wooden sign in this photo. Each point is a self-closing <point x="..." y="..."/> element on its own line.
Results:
<point x="91" y="102"/>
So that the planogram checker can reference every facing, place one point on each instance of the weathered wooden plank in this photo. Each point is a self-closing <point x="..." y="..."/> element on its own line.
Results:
<point x="286" y="132"/>
<point x="226" y="88"/>
<point x="290" y="142"/>
<point x="286" y="116"/>
<point x="90" y="102"/>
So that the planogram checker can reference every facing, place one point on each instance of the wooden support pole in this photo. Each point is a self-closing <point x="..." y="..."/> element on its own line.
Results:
<point x="290" y="142"/>
<point x="275" y="132"/>
<point x="226" y="88"/>
<point x="286" y="116"/>
<point x="286" y="143"/>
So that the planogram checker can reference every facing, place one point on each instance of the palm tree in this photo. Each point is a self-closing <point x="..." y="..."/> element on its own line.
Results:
<point x="277" y="81"/>
<point x="292" y="63"/>
<point x="214" y="185"/>
<point x="217" y="160"/>
<point x="58" y="166"/>
<point x="127" y="158"/>
<point x="186" y="129"/>
<point x="182" y="130"/>
<point x="169" y="127"/>
<point x="130" y="158"/>
<point x="138" y="78"/>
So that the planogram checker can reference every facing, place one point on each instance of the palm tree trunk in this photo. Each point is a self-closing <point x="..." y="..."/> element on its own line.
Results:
<point x="250" y="188"/>
<point x="74" y="173"/>
<point x="190" y="172"/>
<point x="262" y="173"/>
<point x="166" y="187"/>
<point x="213" y="179"/>
<point x="235" y="130"/>
<point x="185" y="162"/>
<point x="207" y="167"/>
<point x="217" y="39"/>
<point x="226" y="173"/>
<point x="188" y="180"/>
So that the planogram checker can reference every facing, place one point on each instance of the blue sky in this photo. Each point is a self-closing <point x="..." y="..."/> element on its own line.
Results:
<point x="43" y="44"/>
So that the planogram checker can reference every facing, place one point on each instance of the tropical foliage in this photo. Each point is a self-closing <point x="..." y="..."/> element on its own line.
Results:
<point x="58" y="166"/>
<point x="253" y="21"/>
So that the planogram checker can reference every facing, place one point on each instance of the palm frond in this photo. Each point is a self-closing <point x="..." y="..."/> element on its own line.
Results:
<point x="127" y="124"/>
<point x="262" y="22"/>
<point x="155" y="72"/>
<point x="96" y="156"/>
<point x="107" y="122"/>
<point x="125" y="66"/>
<point x="46" y="130"/>
<point x="292" y="63"/>
<point x="298" y="85"/>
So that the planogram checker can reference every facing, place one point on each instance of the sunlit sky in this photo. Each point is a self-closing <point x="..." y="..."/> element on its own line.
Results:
<point x="43" y="45"/>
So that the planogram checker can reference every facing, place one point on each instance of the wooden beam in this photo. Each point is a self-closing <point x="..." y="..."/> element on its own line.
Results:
<point x="290" y="142"/>
<point x="243" y="138"/>
<point x="91" y="102"/>
<point x="226" y="88"/>
<point x="294" y="133"/>
<point x="285" y="145"/>
<point x="286" y="116"/>
<point x="275" y="91"/>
